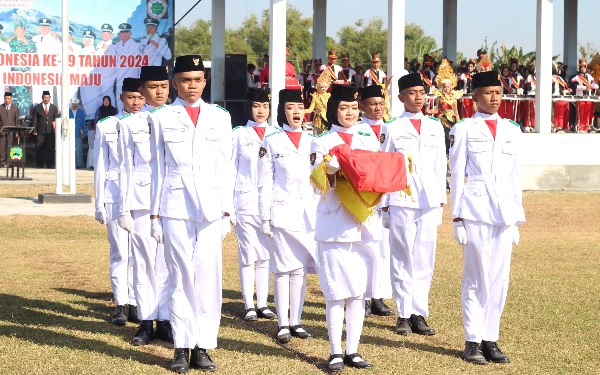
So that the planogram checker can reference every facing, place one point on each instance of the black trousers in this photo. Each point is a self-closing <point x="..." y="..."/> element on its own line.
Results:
<point x="5" y="145"/>
<point x="45" y="146"/>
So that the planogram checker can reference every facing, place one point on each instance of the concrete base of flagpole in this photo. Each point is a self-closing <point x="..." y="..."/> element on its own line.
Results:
<point x="51" y="198"/>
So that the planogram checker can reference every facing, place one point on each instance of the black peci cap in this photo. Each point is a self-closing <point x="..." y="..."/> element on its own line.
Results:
<point x="259" y="95"/>
<point x="8" y="93"/>
<point x="290" y="96"/>
<point x="343" y="93"/>
<point x="131" y="84"/>
<point x="45" y="93"/>
<point x="154" y="73"/>
<point x="188" y="63"/>
<point x="486" y="79"/>
<point x="373" y="91"/>
<point x="409" y="80"/>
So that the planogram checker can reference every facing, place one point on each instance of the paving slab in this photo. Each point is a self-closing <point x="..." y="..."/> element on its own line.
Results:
<point x="43" y="176"/>
<point x="31" y="206"/>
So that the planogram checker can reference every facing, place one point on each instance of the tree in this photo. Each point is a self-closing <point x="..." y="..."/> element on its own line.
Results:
<point x="194" y="39"/>
<point x="588" y="50"/>
<point x="417" y="44"/>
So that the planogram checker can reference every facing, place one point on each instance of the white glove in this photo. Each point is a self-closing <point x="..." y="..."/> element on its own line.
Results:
<point x="266" y="228"/>
<point x="100" y="215"/>
<point x="126" y="222"/>
<point x="516" y="236"/>
<point x="232" y="220"/>
<point x="226" y="227"/>
<point x="332" y="166"/>
<point x="459" y="233"/>
<point x="385" y="219"/>
<point x="156" y="231"/>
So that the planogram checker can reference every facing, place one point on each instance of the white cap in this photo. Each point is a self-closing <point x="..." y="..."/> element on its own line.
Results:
<point x="75" y="102"/>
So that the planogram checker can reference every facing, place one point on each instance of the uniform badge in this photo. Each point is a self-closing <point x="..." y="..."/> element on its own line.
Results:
<point x="355" y="95"/>
<point x="262" y="152"/>
<point x="382" y="138"/>
<point x="382" y="91"/>
<point x="313" y="158"/>
<point x="269" y="96"/>
<point x="451" y="140"/>
<point x="196" y="61"/>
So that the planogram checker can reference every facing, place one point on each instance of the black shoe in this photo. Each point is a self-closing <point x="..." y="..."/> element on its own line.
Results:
<point x="201" y="360"/>
<point x="265" y="313"/>
<point x="164" y="332"/>
<point x="367" y="308"/>
<point x="419" y="326"/>
<point x="492" y="353"/>
<point x="120" y="315"/>
<point x="378" y="307"/>
<point x="349" y="359"/>
<point x="300" y="332"/>
<point x="472" y="353"/>
<point x="133" y="315"/>
<point x="335" y="367"/>
<point x="403" y="327"/>
<point x="181" y="363"/>
<point x="251" y="315"/>
<point x="145" y="333"/>
<point x="285" y="336"/>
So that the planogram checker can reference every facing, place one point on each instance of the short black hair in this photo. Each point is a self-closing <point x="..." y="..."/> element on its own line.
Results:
<point x="251" y="66"/>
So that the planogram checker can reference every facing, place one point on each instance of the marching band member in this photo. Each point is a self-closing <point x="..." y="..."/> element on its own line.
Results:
<point x="150" y="270"/>
<point x="414" y="214"/>
<point x="314" y="77"/>
<point x="331" y="67"/>
<point x="560" y="87"/>
<point x="106" y="189"/>
<point x="527" y="106"/>
<point x="374" y="76"/>
<point x="510" y="86"/>
<point x="486" y="210"/>
<point x="347" y="250"/>
<point x="584" y="83"/>
<point x="466" y="84"/>
<point x="192" y="191"/>
<point x="346" y="74"/>
<point x="428" y="77"/>
<point x="253" y="246"/>
<point x="287" y="206"/>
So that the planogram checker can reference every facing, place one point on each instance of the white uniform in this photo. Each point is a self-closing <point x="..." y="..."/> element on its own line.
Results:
<point x="155" y="54"/>
<point x="89" y="94"/>
<point x="378" y="74"/>
<point x="253" y="245"/>
<point x="45" y="45"/>
<point x="191" y="190"/>
<point x="149" y="267"/>
<point x="106" y="189"/>
<point x="129" y="48"/>
<point x="346" y="78"/>
<point x="287" y="200"/>
<point x="581" y="86"/>
<point x="109" y="75"/>
<point x="490" y="204"/>
<point x="336" y="69"/>
<point x="414" y="218"/>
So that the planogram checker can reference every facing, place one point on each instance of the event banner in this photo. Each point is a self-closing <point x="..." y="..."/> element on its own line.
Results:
<point x="109" y="40"/>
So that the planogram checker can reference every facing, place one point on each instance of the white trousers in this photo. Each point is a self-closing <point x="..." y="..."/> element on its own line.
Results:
<point x="486" y="258"/>
<point x="90" y="156"/>
<point x="194" y="259"/>
<point x="413" y="236"/>
<point x="150" y="273"/>
<point x="121" y="258"/>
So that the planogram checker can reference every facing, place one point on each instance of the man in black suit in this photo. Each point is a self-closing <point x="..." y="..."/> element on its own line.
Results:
<point x="44" y="127"/>
<point x="9" y="116"/>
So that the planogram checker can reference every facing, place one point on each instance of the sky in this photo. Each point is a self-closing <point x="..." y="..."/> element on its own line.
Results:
<point x="508" y="21"/>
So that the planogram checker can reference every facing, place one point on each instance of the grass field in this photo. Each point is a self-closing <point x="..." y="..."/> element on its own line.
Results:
<point x="55" y="305"/>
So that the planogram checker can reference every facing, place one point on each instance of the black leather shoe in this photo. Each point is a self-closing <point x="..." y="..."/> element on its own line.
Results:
<point x="419" y="326"/>
<point x="201" y="360"/>
<point x="181" y="363"/>
<point x="251" y="315"/>
<point x="492" y="353"/>
<point x="265" y="313"/>
<point x="367" y="308"/>
<point x="335" y="367"/>
<point x="403" y="327"/>
<point x="379" y="308"/>
<point x="145" y="333"/>
<point x="284" y="337"/>
<point x="300" y="332"/>
<point x="120" y="315"/>
<point x="164" y="332"/>
<point x="472" y="353"/>
<point x="355" y="360"/>
<point x="133" y="315"/>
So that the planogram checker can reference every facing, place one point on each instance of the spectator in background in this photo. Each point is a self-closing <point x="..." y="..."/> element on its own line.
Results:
<point x="105" y="110"/>
<point x="44" y="127"/>
<point x="80" y="131"/>
<point x="250" y="76"/>
<point x="9" y="116"/>
<point x="91" y="134"/>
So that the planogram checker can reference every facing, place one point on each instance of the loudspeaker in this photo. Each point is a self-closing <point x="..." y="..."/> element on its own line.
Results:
<point x="236" y="111"/>
<point x="236" y="66"/>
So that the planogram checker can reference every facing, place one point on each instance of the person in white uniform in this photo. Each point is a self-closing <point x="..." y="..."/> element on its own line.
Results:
<point x="106" y="47"/>
<point x="375" y="76"/>
<point x="192" y="199"/>
<point x="46" y="43"/>
<point x="89" y="94"/>
<point x="253" y="245"/>
<point x="149" y="267"/>
<point x="4" y="48"/>
<point x="347" y="249"/>
<point x="153" y="45"/>
<point x="413" y="215"/>
<point x="106" y="189"/>
<point x="373" y="107"/>
<point x="487" y="207"/>
<point x="287" y="206"/>
<point x="125" y="47"/>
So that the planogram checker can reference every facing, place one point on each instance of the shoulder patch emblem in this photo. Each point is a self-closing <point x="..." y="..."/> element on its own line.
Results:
<point x="514" y="123"/>
<point x="364" y="133"/>
<point x="236" y="128"/>
<point x="451" y="140"/>
<point x="382" y="138"/>
<point x="272" y="134"/>
<point x="157" y="108"/>
<point x="262" y="152"/>
<point x="218" y="106"/>
<point x="391" y="120"/>
<point x="434" y="118"/>
<point x="322" y="134"/>
<point x="313" y="158"/>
